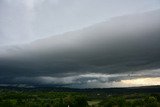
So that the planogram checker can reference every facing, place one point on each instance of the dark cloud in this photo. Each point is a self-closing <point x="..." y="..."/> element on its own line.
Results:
<point x="122" y="45"/>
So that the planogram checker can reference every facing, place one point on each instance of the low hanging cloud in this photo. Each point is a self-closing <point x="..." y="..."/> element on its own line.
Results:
<point x="95" y="80"/>
<point x="115" y="49"/>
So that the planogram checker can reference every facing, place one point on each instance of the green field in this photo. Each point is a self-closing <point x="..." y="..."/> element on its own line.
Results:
<point x="93" y="102"/>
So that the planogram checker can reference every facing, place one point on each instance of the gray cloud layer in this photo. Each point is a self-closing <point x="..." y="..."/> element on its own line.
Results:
<point x="26" y="20"/>
<point x="122" y="45"/>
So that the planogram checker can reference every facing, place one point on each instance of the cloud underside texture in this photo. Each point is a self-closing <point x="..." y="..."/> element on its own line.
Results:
<point x="123" y="45"/>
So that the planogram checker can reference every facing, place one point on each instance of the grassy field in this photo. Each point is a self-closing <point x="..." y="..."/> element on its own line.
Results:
<point x="94" y="102"/>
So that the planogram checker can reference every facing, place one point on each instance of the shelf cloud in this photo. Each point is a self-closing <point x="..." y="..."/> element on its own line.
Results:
<point x="111" y="53"/>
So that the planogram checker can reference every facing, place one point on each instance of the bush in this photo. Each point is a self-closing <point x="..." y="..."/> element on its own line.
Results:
<point x="151" y="102"/>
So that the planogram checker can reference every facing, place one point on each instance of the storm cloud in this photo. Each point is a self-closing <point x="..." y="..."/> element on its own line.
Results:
<point x="122" y="48"/>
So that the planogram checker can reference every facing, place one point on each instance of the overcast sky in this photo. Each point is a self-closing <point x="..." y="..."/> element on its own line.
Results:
<point x="26" y="20"/>
<point x="80" y="43"/>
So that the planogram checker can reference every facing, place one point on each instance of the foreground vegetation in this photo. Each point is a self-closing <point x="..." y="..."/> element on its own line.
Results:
<point x="41" y="99"/>
<point x="132" y="100"/>
<point x="21" y="98"/>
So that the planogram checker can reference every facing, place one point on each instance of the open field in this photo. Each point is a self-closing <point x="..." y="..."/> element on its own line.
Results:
<point x="94" y="102"/>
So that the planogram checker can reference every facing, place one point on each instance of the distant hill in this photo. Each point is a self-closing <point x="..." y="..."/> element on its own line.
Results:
<point x="143" y="89"/>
